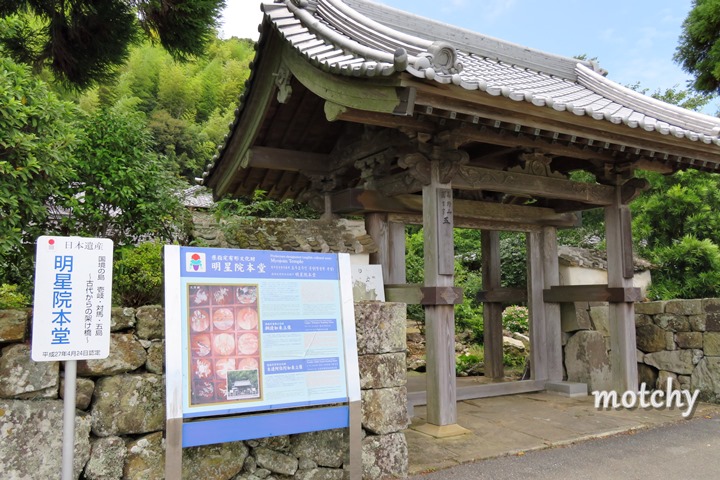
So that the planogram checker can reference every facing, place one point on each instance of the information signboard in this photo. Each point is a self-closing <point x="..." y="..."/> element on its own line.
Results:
<point x="253" y="332"/>
<point x="73" y="286"/>
<point x="262" y="330"/>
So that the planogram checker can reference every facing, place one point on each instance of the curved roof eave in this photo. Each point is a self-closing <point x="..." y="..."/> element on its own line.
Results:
<point x="364" y="46"/>
<point x="360" y="38"/>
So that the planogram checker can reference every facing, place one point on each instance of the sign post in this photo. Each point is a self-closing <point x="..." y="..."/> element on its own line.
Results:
<point x="71" y="314"/>
<point x="253" y="332"/>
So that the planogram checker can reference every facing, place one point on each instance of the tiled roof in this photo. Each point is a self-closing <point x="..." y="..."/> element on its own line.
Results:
<point x="334" y="236"/>
<point x="597" y="259"/>
<point x="361" y="38"/>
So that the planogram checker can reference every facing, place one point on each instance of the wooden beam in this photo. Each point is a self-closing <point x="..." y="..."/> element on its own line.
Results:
<point x="473" y="392"/>
<point x="390" y="240"/>
<point x="356" y="201"/>
<point x="442" y="296"/>
<point x="492" y="312"/>
<point x="470" y="223"/>
<point x="503" y="295"/>
<point x="478" y="178"/>
<point x="388" y="120"/>
<point x="439" y="319"/>
<point x="409" y="294"/>
<point x="288" y="160"/>
<point x="372" y="144"/>
<point x="536" y="307"/>
<point x="621" y="315"/>
<point x="374" y="96"/>
<point x="592" y="293"/>
<point x="553" y="325"/>
<point x="496" y="136"/>
<point x="224" y="175"/>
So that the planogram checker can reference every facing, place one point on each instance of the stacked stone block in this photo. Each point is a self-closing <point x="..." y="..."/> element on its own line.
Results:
<point x="121" y="410"/>
<point x="677" y="340"/>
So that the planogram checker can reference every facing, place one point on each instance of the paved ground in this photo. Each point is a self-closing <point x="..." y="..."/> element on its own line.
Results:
<point x="513" y="426"/>
<point x="681" y="450"/>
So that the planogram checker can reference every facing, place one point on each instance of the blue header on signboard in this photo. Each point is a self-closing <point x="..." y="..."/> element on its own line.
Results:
<point x="257" y="264"/>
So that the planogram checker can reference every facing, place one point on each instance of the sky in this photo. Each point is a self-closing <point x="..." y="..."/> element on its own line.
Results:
<point x="634" y="40"/>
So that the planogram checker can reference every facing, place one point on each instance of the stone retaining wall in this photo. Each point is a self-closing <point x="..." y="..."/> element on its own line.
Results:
<point x="121" y="410"/>
<point x="676" y="339"/>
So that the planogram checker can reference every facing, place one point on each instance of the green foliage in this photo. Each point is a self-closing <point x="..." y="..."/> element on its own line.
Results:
<point x="414" y="268"/>
<point x="468" y="315"/>
<point x="188" y="105"/>
<point x="120" y="188"/>
<point x="84" y="41"/>
<point x="513" y="258"/>
<point x="261" y="207"/>
<point x="466" y="362"/>
<point x="138" y="275"/>
<point x="513" y="360"/>
<point x="689" y="268"/>
<point x="699" y="49"/>
<point x="686" y="203"/>
<point x="11" y="297"/>
<point x="516" y="319"/>
<point x="677" y="227"/>
<point x="38" y="136"/>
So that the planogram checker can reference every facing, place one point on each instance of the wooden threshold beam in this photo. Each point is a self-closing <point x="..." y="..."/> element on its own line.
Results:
<point x="591" y="293"/>
<point x="472" y="392"/>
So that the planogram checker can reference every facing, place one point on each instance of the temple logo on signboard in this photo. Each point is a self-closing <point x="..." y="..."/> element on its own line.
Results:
<point x="195" y="262"/>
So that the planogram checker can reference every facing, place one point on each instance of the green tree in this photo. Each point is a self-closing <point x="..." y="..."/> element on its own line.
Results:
<point x="83" y="41"/>
<point x="188" y="105"/>
<point x="121" y="189"/>
<point x="699" y="49"/>
<point x="676" y="226"/>
<point x="38" y="136"/>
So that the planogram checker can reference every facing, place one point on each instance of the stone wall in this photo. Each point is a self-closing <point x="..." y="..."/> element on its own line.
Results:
<point x="121" y="410"/>
<point x="676" y="339"/>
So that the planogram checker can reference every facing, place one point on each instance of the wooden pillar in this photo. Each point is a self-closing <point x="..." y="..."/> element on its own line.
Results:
<point x="390" y="240"/>
<point x="439" y="319"/>
<point x="623" y="350"/>
<point x="536" y="307"/>
<point x="553" y="325"/>
<point x="492" y="312"/>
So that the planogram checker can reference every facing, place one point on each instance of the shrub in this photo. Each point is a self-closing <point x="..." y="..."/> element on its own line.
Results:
<point x="10" y="297"/>
<point x="138" y="275"/>
<point x="513" y="360"/>
<point x="689" y="268"/>
<point x="467" y="362"/>
<point x="515" y="319"/>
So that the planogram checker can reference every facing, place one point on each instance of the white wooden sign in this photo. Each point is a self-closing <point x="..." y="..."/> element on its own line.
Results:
<point x="73" y="287"/>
